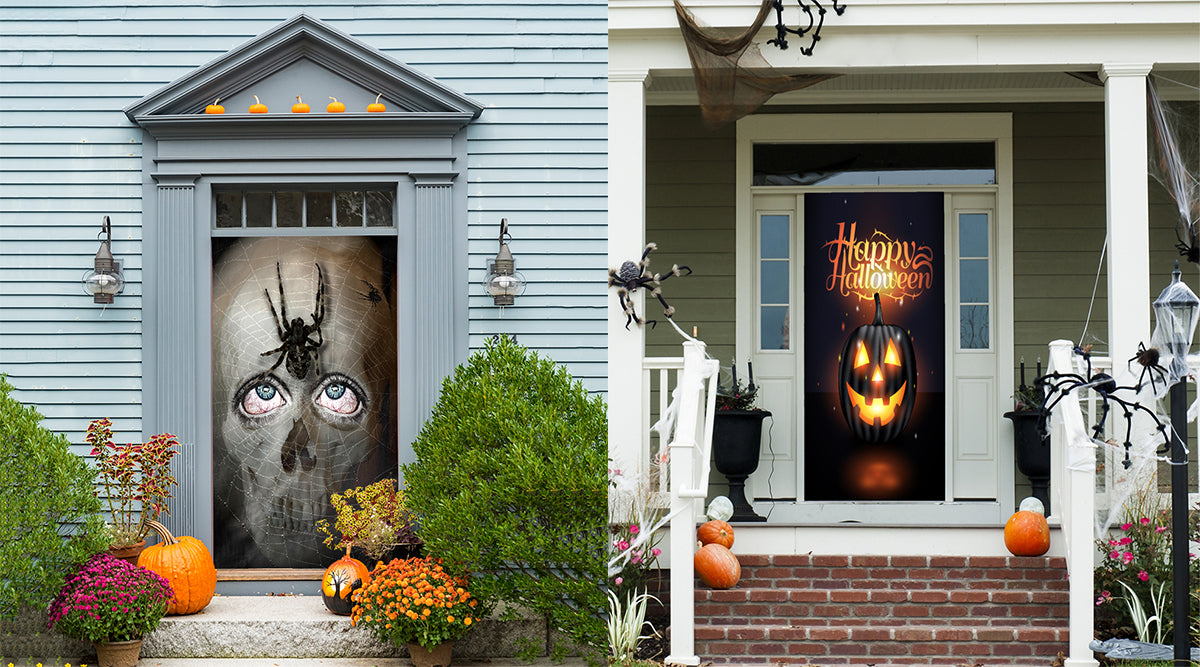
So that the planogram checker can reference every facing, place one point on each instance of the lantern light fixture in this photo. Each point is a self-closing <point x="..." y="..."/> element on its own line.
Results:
<point x="1177" y="310"/>
<point x="104" y="280"/>
<point x="503" y="283"/>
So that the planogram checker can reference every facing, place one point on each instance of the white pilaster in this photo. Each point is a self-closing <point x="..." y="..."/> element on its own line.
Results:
<point x="1125" y="156"/>
<point x="626" y="238"/>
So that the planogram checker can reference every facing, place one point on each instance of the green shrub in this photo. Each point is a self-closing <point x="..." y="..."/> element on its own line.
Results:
<point x="510" y="485"/>
<point x="49" y="514"/>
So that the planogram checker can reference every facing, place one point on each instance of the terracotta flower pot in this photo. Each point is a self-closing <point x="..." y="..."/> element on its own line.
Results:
<point x="129" y="553"/>
<point x="118" y="654"/>
<point x="438" y="657"/>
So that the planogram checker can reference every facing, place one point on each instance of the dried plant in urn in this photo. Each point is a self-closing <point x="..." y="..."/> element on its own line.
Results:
<point x="374" y="518"/>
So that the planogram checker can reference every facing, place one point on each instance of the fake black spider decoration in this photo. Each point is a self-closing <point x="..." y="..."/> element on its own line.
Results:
<point x="298" y="349"/>
<point x="1060" y="385"/>
<point x="633" y="275"/>
<point x="371" y="296"/>
<point x="1148" y="357"/>
<point x="781" y="30"/>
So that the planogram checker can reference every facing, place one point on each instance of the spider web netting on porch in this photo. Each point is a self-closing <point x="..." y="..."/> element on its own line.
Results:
<point x="732" y="77"/>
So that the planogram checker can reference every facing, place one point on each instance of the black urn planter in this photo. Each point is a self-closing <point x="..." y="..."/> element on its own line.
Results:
<point x="737" y="436"/>
<point x="1032" y="452"/>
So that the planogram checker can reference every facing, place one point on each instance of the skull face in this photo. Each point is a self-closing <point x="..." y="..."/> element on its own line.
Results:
<point x="877" y="380"/>
<point x="283" y="441"/>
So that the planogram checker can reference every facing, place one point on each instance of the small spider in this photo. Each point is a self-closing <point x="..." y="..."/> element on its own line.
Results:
<point x="1060" y="385"/>
<point x="633" y="275"/>
<point x="1148" y="358"/>
<point x="298" y="349"/>
<point x="372" y="295"/>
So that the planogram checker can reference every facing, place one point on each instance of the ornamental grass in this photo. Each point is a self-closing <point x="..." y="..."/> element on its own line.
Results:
<point x="415" y="601"/>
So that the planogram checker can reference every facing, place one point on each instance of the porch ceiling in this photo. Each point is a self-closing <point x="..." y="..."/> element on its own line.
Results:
<point x="675" y="88"/>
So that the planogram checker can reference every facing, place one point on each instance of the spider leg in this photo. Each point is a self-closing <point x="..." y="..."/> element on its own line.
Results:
<point x="669" y="310"/>
<point x="274" y="315"/>
<point x="282" y="350"/>
<point x="319" y="314"/>
<point x="627" y="306"/>
<point x="646" y="253"/>
<point x="1098" y="429"/>
<point x="675" y="271"/>
<point x="282" y="298"/>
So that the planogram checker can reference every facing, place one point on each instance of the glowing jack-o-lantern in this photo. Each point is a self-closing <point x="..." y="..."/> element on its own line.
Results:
<point x="877" y="379"/>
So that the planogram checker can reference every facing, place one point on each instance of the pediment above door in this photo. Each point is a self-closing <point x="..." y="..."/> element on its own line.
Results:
<point x="305" y="57"/>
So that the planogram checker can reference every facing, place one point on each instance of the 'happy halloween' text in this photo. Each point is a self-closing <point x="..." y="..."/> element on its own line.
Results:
<point x="878" y="264"/>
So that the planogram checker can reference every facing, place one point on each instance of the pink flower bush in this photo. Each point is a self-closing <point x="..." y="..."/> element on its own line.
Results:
<point x="109" y="600"/>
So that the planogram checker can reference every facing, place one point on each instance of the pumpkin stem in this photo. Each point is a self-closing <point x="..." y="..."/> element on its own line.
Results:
<point x="298" y="100"/>
<point x="163" y="532"/>
<point x="333" y="98"/>
<point x="377" y="98"/>
<point x="256" y="100"/>
<point x="878" y="311"/>
<point x="216" y="100"/>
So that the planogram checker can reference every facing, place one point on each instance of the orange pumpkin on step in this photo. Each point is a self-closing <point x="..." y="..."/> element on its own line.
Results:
<point x="715" y="532"/>
<point x="186" y="563"/>
<point x="339" y="582"/>
<point x="1027" y="534"/>
<point x="717" y="566"/>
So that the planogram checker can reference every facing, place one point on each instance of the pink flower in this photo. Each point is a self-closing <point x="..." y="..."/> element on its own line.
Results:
<point x="634" y="530"/>
<point x="655" y="552"/>
<point x="1114" y="554"/>
<point x="618" y="581"/>
<point x="1126" y="526"/>
<point x="1159" y="529"/>
<point x="623" y="545"/>
<point x="1144" y="521"/>
<point x="1144" y="576"/>
<point x="1125" y="540"/>
<point x="1105" y="596"/>
<point x="1127" y="557"/>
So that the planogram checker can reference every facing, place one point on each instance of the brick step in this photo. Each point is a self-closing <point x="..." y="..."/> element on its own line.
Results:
<point x="985" y="607"/>
<point x="877" y="645"/>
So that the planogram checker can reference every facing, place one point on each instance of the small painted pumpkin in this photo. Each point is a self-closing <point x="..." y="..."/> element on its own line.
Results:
<point x="1027" y="534"/>
<point x="299" y="106"/>
<point x="339" y="582"/>
<point x="214" y="108"/>
<point x="186" y="563"/>
<point x="877" y="379"/>
<point x="717" y="566"/>
<point x="258" y="107"/>
<point x="335" y="106"/>
<point x="715" y="532"/>
<point x="377" y="106"/>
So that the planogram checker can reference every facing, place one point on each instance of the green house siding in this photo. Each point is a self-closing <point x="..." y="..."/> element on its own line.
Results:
<point x="69" y="156"/>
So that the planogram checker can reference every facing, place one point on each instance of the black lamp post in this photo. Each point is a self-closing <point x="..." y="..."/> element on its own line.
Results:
<point x="1176" y="310"/>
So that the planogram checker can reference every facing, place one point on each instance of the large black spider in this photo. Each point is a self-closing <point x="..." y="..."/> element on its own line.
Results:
<point x="633" y="275"/>
<point x="815" y="23"/>
<point x="298" y="348"/>
<point x="1060" y="385"/>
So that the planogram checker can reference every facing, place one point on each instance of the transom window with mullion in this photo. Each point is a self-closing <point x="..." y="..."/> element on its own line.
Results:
<point x="294" y="208"/>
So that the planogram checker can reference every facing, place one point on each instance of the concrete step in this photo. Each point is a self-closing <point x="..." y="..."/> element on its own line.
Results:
<point x="297" y="662"/>
<point x="275" y="627"/>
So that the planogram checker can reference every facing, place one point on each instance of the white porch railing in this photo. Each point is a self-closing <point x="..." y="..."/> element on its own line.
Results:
<point x="684" y="428"/>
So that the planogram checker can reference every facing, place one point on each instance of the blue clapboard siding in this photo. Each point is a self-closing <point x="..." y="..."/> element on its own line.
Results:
<point x="68" y="156"/>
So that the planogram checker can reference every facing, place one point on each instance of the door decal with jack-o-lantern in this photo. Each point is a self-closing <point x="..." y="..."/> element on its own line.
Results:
<point x="874" y="346"/>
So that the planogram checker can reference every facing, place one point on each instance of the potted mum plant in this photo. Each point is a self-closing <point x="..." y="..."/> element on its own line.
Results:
<point x="737" y="436"/>
<point x="137" y="480"/>
<point x="417" y="603"/>
<point x="113" y="605"/>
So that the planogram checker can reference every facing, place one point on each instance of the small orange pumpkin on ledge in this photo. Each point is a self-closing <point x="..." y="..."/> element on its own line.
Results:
<point x="186" y="563"/>
<point x="377" y="106"/>
<point x="258" y="107"/>
<point x="335" y="106"/>
<point x="299" y="106"/>
<point x="214" y="108"/>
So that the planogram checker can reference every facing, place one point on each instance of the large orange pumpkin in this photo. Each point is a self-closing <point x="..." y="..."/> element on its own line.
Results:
<point x="186" y="563"/>
<point x="1027" y="534"/>
<point x="339" y="582"/>
<point x="717" y="566"/>
<point x="715" y="532"/>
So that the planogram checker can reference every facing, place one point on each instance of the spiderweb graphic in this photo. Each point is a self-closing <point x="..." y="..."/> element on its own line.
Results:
<point x="304" y="377"/>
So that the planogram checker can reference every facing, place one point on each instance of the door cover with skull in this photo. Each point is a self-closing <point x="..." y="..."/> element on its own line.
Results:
<point x="304" y="375"/>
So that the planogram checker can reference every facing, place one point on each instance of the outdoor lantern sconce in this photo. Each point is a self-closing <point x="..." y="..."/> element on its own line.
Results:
<point x="104" y="280"/>
<point x="502" y="281"/>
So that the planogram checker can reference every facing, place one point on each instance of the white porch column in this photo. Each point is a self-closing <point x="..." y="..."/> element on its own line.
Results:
<point x="1125" y="156"/>
<point x="626" y="238"/>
